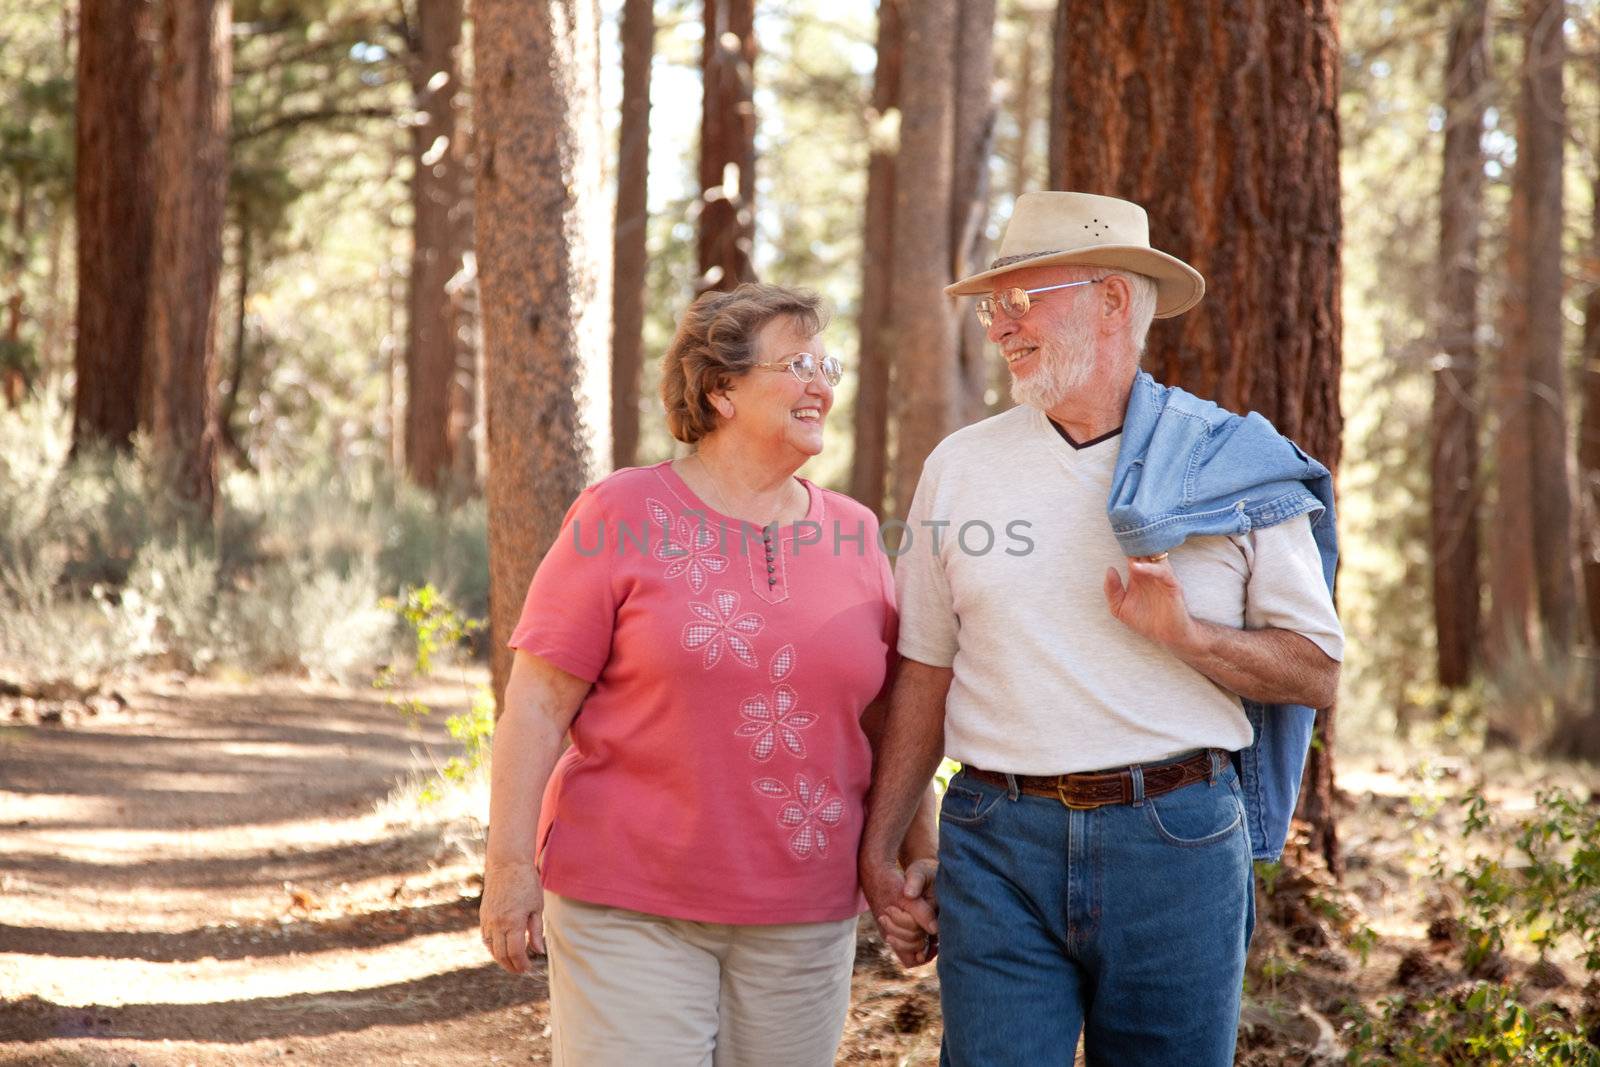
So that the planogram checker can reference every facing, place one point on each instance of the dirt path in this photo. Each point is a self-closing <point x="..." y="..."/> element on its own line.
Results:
<point x="228" y="874"/>
<point x="215" y="876"/>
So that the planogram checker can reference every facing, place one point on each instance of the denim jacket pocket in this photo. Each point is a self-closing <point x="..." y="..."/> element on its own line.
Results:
<point x="966" y="805"/>
<point x="1198" y="814"/>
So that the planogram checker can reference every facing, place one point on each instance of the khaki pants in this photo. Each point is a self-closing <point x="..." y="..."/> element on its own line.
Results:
<point x="627" y="988"/>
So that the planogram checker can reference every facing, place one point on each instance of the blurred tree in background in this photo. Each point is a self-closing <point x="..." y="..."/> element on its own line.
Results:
<point x="115" y="201"/>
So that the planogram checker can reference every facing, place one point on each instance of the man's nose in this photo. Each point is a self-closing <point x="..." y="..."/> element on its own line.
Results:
<point x="1002" y="327"/>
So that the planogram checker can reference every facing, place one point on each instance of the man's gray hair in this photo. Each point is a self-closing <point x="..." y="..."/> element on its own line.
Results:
<point x="1143" y="307"/>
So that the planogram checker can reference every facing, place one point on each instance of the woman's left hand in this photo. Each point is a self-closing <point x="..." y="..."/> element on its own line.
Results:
<point x="512" y="914"/>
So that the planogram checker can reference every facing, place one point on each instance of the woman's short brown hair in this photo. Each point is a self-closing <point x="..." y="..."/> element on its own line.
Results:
<point x="716" y="342"/>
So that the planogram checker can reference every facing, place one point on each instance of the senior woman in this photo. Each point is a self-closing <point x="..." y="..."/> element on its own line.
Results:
<point x="717" y="635"/>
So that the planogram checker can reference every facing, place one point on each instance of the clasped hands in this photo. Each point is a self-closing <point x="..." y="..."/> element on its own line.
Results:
<point x="905" y="907"/>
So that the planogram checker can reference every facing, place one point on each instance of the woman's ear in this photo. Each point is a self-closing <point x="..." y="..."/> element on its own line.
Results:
<point x="721" y="401"/>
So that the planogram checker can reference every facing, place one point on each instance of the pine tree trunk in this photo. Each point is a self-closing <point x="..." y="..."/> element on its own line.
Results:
<point x="1589" y="432"/>
<point x="923" y="337"/>
<point x="628" y="275"/>
<point x="437" y="198"/>
<point x="869" y="469"/>
<point x="975" y="113"/>
<point x="1454" y="483"/>
<point x="542" y="237"/>
<point x="18" y="375"/>
<point x="1246" y="98"/>
<point x="727" y="145"/>
<point x="1509" y="640"/>
<point x="228" y="404"/>
<point x="466" y="384"/>
<point x="191" y="166"/>
<point x="115" y="202"/>
<point x="1578" y="736"/>
<point x="1541" y="137"/>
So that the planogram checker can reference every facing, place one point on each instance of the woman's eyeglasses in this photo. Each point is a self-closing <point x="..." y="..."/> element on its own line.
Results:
<point x="804" y="365"/>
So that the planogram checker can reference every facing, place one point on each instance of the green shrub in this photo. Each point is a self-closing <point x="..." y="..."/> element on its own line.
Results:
<point x="1547" y="887"/>
<point x="1472" y="1027"/>
<point x="102" y="568"/>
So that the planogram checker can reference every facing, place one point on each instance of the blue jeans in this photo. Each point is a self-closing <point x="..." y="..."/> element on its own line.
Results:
<point x="1128" y="923"/>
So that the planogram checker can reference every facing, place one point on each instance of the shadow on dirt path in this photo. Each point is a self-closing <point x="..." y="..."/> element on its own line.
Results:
<point x="221" y="874"/>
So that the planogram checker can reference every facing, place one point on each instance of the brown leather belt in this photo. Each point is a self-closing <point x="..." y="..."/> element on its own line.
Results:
<point x="1097" y="789"/>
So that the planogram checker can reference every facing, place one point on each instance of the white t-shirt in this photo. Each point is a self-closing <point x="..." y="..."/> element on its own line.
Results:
<point x="1047" y="681"/>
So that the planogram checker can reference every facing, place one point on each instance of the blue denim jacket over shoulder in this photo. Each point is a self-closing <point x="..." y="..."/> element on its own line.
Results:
<point x="1189" y="468"/>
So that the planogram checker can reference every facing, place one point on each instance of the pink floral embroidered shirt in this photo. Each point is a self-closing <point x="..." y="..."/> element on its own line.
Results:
<point x="717" y="768"/>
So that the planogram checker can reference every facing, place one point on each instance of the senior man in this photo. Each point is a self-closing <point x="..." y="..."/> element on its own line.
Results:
<point x="1127" y="743"/>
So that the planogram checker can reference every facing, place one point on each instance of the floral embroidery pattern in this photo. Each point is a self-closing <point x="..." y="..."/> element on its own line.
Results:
<point x="782" y="663"/>
<point x="685" y="547"/>
<point x="719" y="626"/>
<point x="774" y="721"/>
<point x="809" y="813"/>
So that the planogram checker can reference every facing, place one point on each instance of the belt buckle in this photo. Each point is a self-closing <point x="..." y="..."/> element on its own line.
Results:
<point x="1061" y="794"/>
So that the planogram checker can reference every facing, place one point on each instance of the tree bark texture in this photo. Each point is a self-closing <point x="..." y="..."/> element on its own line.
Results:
<point x="869" y="466"/>
<point x="1579" y="735"/>
<point x="1589" y="431"/>
<point x="1221" y="119"/>
<point x="923" y="337"/>
<point x="1455" y="482"/>
<point x="1511" y="572"/>
<point x="191" y="166"/>
<point x="975" y="114"/>
<point x="115" y="202"/>
<point x="543" y="231"/>
<point x="1541" y="137"/>
<point x="1245" y="95"/>
<point x="727" y="145"/>
<point x="629" y="270"/>
<point x="438" y="199"/>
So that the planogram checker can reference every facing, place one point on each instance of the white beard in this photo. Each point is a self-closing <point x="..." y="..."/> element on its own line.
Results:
<point x="1063" y="366"/>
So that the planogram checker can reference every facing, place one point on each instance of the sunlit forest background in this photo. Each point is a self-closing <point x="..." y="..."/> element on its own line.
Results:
<point x="261" y="275"/>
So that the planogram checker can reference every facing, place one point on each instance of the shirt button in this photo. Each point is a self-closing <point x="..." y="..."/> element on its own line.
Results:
<point x="772" y="582"/>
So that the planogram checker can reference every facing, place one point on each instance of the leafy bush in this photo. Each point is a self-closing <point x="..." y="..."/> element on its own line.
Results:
<point x="438" y="628"/>
<point x="1544" y="885"/>
<point x="102" y="569"/>
<point x="168" y="605"/>
<point x="1484" y="1024"/>
<point x="1548" y="888"/>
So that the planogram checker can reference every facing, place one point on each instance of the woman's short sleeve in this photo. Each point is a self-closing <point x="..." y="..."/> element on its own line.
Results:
<point x="570" y="610"/>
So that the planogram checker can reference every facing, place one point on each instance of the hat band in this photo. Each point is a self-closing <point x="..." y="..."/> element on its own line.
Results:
<point x="1006" y="261"/>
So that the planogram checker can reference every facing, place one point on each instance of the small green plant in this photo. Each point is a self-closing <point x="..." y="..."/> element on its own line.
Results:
<point x="474" y="728"/>
<point x="1480" y="1024"/>
<point x="1269" y="872"/>
<point x="435" y="623"/>
<point x="1547" y="888"/>
<point x="437" y="627"/>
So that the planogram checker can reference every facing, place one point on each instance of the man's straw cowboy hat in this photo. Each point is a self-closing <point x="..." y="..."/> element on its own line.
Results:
<point x="1081" y="229"/>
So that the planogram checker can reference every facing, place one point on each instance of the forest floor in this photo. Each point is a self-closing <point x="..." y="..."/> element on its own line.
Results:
<point x="230" y="874"/>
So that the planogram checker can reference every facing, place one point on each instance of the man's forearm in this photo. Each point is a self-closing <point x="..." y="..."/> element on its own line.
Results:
<point x="1270" y="666"/>
<point x="921" y="838"/>
<point x="907" y="757"/>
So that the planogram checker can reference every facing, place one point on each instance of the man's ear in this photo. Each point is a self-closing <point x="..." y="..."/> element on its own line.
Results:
<point x="1116" y="303"/>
